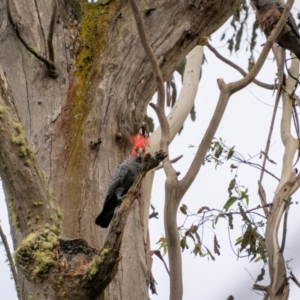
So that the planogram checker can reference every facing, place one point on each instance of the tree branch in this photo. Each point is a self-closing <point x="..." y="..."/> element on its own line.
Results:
<point x="176" y="118"/>
<point x="10" y="262"/>
<point x="226" y="90"/>
<point x="172" y="161"/>
<point x="239" y="69"/>
<point x="21" y="169"/>
<point x="49" y="63"/>
<point x="160" y="106"/>
<point x="288" y="184"/>
<point x="290" y="143"/>
<point x="238" y="85"/>
<point x="280" y="57"/>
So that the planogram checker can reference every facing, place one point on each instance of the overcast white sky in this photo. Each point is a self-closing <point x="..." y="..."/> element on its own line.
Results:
<point x="245" y="125"/>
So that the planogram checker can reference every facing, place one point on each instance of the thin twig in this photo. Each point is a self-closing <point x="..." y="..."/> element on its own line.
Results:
<point x="292" y="276"/>
<point x="250" y="275"/>
<point x="52" y="69"/>
<point x="40" y="22"/>
<point x="280" y="63"/>
<point x="49" y="64"/>
<point x="254" y="165"/>
<point x="230" y="242"/>
<point x="236" y="213"/>
<point x="239" y="69"/>
<point x="172" y="161"/>
<point x="10" y="261"/>
<point x="284" y="230"/>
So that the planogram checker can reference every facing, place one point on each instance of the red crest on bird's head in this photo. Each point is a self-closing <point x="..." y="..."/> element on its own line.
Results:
<point x="139" y="143"/>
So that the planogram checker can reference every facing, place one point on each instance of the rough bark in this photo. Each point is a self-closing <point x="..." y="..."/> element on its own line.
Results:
<point x="103" y="86"/>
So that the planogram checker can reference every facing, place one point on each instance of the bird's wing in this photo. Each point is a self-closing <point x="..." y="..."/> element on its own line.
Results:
<point x="117" y="180"/>
<point x="290" y="21"/>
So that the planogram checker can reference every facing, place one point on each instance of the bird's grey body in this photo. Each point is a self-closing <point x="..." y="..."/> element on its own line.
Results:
<point x="268" y="15"/>
<point x="121" y="182"/>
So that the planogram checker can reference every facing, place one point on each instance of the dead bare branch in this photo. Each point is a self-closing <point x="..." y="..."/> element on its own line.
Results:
<point x="292" y="276"/>
<point x="262" y="196"/>
<point x="174" y="160"/>
<point x="259" y="287"/>
<point x="158" y="254"/>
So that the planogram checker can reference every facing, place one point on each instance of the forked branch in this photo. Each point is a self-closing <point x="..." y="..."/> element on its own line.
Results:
<point x="289" y="183"/>
<point x="280" y="57"/>
<point x="160" y="106"/>
<point x="239" y="69"/>
<point x="49" y="63"/>
<point x="226" y="90"/>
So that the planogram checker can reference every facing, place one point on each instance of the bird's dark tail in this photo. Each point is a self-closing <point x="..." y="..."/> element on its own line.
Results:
<point x="104" y="218"/>
<point x="107" y="213"/>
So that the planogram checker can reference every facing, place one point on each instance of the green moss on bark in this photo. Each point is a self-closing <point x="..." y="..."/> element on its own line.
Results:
<point x="36" y="254"/>
<point x="12" y="214"/>
<point x="19" y="139"/>
<point x="93" y="32"/>
<point x="95" y="265"/>
<point x="59" y="213"/>
<point x="1" y="112"/>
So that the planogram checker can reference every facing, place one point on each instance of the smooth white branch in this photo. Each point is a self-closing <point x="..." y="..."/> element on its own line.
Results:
<point x="176" y="118"/>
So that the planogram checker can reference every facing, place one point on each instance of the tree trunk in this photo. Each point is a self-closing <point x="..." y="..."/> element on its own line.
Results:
<point x="103" y="86"/>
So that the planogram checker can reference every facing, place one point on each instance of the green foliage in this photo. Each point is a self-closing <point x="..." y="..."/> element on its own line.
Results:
<point x="162" y="244"/>
<point x="230" y="202"/>
<point x="240" y="23"/>
<point x="241" y="193"/>
<point x="251" y="241"/>
<point x="191" y="235"/>
<point x="218" y="152"/>
<point x="262" y="153"/>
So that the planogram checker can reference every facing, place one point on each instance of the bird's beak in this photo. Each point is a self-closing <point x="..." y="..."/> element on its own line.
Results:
<point x="140" y="152"/>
